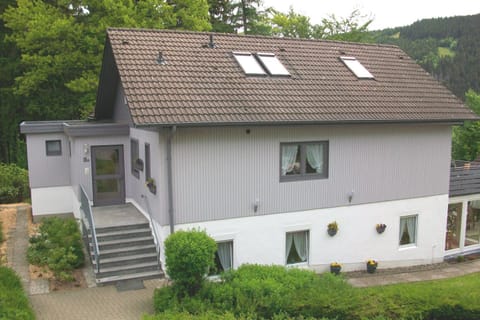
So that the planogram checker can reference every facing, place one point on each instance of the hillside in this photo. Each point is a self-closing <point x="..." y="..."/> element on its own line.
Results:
<point x="448" y="48"/>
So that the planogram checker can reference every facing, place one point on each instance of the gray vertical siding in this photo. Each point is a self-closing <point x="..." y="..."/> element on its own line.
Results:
<point x="220" y="172"/>
<point x="47" y="171"/>
<point x="121" y="114"/>
<point x="136" y="188"/>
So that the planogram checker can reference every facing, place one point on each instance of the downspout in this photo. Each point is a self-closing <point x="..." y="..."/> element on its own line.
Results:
<point x="171" y="216"/>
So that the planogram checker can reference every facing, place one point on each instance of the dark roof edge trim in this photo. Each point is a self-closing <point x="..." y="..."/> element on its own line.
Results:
<point x="27" y="127"/>
<point x="294" y="123"/>
<point x="98" y="129"/>
<point x="75" y="128"/>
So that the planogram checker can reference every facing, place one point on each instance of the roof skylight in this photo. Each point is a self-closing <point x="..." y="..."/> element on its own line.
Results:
<point x="357" y="68"/>
<point x="248" y="63"/>
<point x="272" y="64"/>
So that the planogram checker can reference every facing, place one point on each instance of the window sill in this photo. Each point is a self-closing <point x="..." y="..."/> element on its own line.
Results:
<point x="407" y="247"/>
<point x="299" y="264"/>
<point x="303" y="177"/>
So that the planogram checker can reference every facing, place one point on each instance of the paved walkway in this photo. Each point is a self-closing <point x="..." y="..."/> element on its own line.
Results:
<point x="96" y="303"/>
<point x="104" y="303"/>
<point x="100" y="303"/>
<point x="446" y="271"/>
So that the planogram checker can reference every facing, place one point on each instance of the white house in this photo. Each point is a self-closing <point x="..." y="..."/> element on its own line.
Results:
<point x="262" y="142"/>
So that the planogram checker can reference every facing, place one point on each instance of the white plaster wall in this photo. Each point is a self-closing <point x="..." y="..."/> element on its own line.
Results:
<point x="54" y="200"/>
<point x="261" y="239"/>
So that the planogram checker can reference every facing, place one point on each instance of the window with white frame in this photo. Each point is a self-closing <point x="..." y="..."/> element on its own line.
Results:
<point x="223" y="257"/>
<point x="53" y="147"/>
<point x="303" y="160"/>
<point x="408" y="230"/>
<point x="296" y="247"/>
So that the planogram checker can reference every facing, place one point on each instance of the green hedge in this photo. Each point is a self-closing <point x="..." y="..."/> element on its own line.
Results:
<point x="13" y="184"/>
<point x="276" y="292"/>
<point x="266" y="292"/>
<point x="58" y="245"/>
<point x="13" y="301"/>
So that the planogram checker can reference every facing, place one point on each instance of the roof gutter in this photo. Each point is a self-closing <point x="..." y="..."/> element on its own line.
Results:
<point x="171" y="212"/>
<point x="451" y="122"/>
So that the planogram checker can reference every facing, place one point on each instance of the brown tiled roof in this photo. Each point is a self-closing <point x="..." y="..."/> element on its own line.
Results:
<point x="201" y="85"/>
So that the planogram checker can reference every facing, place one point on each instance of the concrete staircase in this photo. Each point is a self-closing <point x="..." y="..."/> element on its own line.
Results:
<point x="126" y="252"/>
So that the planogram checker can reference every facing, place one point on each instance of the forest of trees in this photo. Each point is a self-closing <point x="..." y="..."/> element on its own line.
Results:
<point x="50" y="51"/>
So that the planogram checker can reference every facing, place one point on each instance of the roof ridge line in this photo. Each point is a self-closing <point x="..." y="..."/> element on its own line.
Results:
<point x="249" y="36"/>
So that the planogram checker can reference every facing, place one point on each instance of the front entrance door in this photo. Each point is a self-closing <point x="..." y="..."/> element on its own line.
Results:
<point x="108" y="175"/>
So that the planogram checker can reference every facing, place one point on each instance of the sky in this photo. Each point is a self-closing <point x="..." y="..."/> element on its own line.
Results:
<point x="385" y="13"/>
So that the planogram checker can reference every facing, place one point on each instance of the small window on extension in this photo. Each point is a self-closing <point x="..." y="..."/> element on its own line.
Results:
<point x="53" y="147"/>
<point x="272" y="64"/>
<point x="357" y="68"/>
<point x="248" y="63"/>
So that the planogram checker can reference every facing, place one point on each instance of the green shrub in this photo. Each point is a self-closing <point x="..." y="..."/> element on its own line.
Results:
<point x="58" y="246"/>
<point x="13" y="184"/>
<point x="455" y="312"/>
<point x="1" y="232"/>
<point x="13" y="301"/>
<point x="188" y="256"/>
<point x="267" y="292"/>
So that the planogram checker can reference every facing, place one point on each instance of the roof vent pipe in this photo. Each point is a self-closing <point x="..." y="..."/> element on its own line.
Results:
<point x="211" y="44"/>
<point x="160" y="59"/>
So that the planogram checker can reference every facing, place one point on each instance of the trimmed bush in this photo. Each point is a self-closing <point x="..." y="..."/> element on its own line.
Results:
<point x="13" y="301"/>
<point x="188" y="257"/>
<point x="57" y="246"/>
<point x="13" y="184"/>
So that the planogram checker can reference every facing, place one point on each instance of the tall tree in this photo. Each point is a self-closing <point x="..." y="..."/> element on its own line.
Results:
<point x="291" y="25"/>
<point x="222" y="15"/>
<point x="251" y="18"/>
<point x="351" y="28"/>
<point x="466" y="139"/>
<point x="62" y="42"/>
<point x="11" y="106"/>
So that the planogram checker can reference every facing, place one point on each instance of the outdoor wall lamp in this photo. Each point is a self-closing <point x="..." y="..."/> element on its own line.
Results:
<point x="255" y="205"/>
<point x="86" y="149"/>
<point x="350" y="196"/>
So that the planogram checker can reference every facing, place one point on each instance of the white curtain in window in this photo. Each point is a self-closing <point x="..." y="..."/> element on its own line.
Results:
<point x="288" y="246"/>
<point x="411" y="221"/>
<point x="224" y="252"/>
<point x="289" y="154"/>
<point x="315" y="156"/>
<point x="403" y="224"/>
<point x="300" y="240"/>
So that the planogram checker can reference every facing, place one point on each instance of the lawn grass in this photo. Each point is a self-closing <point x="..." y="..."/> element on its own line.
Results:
<point x="413" y="300"/>
<point x="13" y="301"/>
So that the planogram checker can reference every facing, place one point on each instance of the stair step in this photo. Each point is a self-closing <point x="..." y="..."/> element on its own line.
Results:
<point x="140" y="276"/>
<point x="123" y="243"/>
<point x="129" y="269"/>
<point x="122" y="234"/>
<point x="124" y="227"/>
<point x="127" y="251"/>
<point x="127" y="260"/>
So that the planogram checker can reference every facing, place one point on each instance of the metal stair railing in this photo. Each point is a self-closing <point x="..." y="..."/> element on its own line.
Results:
<point x="157" y="243"/>
<point x="87" y="217"/>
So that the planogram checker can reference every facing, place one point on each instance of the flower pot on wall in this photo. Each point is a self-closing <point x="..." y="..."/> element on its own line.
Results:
<point x="380" y="227"/>
<point x="332" y="228"/>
